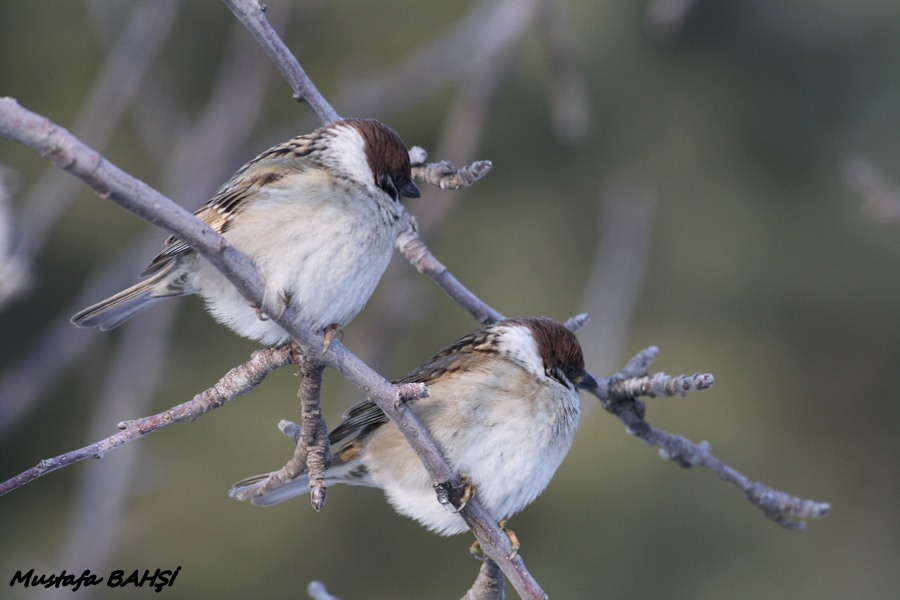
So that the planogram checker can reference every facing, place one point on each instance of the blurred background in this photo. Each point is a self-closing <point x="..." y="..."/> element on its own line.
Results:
<point x="718" y="179"/>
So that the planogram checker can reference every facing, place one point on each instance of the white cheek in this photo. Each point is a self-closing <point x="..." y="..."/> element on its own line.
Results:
<point x="519" y="344"/>
<point x="348" y="149"/>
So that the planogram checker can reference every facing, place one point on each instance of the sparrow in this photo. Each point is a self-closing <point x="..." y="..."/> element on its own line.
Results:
<point x="502" y="404"/>
<point x="317" y="215"/>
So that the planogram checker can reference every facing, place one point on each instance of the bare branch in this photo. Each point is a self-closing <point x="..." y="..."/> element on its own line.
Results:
<point x="314" y="432"/>
<point x="443" y="174"/>
<point x="312" y="452"/>
<point x="136" y="369"/>
<point x="488" y="585"/>
<point x="416" y="252"/>
<point x="236" y="382"/>
<point x="68" y="153"/>
<point x="618" y="395"/>
<point x="251" y="14"/>
<point x="661" y="384"/>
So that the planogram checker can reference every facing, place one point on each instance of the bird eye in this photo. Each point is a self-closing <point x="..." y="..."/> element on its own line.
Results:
<point x="386" y="183"/>
<point x="559" y="375"/>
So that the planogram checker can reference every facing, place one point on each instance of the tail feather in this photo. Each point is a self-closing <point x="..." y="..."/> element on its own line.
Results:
<point x="347" y="473"/>
<point x="115" y="310"/>
<point x="286" y="491"/>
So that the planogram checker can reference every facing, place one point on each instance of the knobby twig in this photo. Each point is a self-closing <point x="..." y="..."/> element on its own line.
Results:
<point x="489" y="584"/>
<point x="214" y="138"/>
<point x="314" y="432"/>
<point x="618" y="394"/>
<point x="236" y="382"/>
<point x="443" y="174"/>
<point x="312" y="452"/>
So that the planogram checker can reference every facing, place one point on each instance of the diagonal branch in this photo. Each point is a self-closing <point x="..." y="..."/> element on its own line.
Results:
<point x="67" y="152"/>
<point x="252" y="14"/>
<point x="237" y="381"/>
<point x="618" y="394"/>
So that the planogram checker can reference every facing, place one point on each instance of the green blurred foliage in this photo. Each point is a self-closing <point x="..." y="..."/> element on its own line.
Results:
<point x="764" y="271"/>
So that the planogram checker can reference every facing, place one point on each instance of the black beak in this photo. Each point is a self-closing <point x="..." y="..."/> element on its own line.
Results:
<point x="409" y="190"/>
<point x="587" y="382"/>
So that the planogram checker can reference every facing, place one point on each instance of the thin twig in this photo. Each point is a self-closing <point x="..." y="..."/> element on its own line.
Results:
<point x="416" y="252"/>
<point x="618" y="394"/>
<point x="237" y="381"/>
<point x="251" y="14"/>
<point x="314" y="432"/>
<point x="312" y="452"/>
<point x="128" y="387"/>
<point x="443" y="174"/>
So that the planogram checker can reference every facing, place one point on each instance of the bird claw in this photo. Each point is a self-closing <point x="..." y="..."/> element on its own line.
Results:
<point x="332" y="331"/>
<point x="475" y="548"/>
<point x="455" y="497"/>
<point x="284" y="300"/>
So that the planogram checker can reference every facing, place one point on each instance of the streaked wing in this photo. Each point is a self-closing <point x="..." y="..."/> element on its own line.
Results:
<point x="266" y="169"/>
<point x="452" y="358"/>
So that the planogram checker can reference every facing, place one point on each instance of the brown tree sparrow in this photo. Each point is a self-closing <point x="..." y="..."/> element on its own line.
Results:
<point x="317" y="215"/>
<point x="503" y="405"/>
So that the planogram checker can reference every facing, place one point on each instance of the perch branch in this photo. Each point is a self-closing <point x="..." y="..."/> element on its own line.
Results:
<point x="64" y="150"/>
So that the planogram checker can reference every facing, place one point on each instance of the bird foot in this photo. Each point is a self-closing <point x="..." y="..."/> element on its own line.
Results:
<point x="475" y="548"/>
<point x="332" y="331"/>
<point x="284" y="300"/>
<point x="455" y="498"/>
